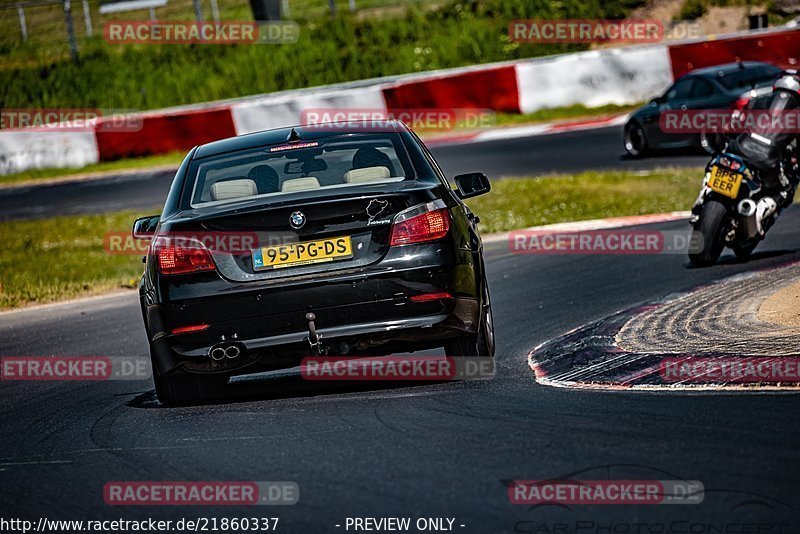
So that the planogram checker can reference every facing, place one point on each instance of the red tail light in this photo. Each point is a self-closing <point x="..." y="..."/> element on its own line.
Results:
<point x="190" y="329"/>
<point x="182" y="256"/>
<point x="741" y="103"/>
<point x="428" y="226"/>
<point x="427" y="297"/>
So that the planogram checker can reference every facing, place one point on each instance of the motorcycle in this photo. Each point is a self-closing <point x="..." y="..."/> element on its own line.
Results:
<point x="733" y="210"/>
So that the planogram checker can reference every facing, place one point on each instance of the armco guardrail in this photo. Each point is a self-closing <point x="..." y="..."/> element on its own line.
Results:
<point x="593" y="78"/>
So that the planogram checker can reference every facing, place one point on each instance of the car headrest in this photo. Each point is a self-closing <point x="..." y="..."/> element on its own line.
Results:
<point x="370" y="156"/>
<point x="368" y="174"/>
<point x="300" y="184"/>
<point x="233" y="188"/>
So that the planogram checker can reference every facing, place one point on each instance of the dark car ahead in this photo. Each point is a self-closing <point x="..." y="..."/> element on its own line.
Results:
<point x="720" y="87"/>
<point x="334" y="239"/>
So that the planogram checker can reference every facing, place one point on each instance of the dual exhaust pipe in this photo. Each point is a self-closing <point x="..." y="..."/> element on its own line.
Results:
<point x="221" y="351"/>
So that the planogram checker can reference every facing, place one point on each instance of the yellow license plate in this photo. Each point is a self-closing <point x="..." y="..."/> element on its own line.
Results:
<point x="725" y="182"/>
<point x="295" y="254"/>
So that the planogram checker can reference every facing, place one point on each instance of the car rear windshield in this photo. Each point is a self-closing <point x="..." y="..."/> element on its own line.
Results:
<point x="747" y="78"/>
<point x="276" y="170"/>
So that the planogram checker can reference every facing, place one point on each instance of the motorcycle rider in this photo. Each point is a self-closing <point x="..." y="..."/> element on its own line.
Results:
<point x="773" y="151"/>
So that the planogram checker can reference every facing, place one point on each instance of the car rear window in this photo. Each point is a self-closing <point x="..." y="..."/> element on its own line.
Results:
<point x="276" y="170"/>
<point x="747" y="78"/>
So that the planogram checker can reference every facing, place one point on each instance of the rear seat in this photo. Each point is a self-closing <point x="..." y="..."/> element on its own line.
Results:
<point x="300" y="184"/>
<point x="367" y="174"/>
<point x="233" y="188"/>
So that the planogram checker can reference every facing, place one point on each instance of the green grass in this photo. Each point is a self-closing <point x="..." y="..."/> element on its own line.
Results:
<point x="330" y="49"/>
<point x="576" y="111"/>
<point x="64" y="257"/>
<point x="173" y="158"/>
<point x="523" y="202"/>
<point x="48" y="37"/>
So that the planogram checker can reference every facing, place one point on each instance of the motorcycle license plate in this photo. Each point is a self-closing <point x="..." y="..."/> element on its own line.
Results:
<point x="724" y="181"/>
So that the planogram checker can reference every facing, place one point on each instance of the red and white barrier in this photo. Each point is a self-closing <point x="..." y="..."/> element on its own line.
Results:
<point x="593" y="78"/>
<point x="258" y="114"/>
<point x="490" y="87"/>
<point x="20" y="151"/>
<point x="780" y="48"/>
<point x="164" y="132"/>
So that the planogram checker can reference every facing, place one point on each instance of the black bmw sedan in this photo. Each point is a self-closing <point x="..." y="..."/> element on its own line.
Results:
<point x="340" y="239"/>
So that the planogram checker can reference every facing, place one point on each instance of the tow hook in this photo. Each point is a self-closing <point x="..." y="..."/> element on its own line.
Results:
<point x="314" y="338"/>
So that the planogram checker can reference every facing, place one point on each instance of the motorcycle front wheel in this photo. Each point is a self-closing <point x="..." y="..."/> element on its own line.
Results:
<point x="707" y="250"/>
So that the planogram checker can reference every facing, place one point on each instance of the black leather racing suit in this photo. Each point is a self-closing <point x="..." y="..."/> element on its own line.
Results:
<point x="765" y="149"/>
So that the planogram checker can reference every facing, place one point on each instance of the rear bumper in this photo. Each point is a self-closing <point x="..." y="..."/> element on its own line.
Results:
<point x="285" y="350"/>
<point x="360" y="312"/>
<point x="337" y="333"/>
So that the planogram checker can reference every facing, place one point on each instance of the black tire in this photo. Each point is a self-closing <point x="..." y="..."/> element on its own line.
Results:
<point x="480" y="343"/>
<point x="182" y="389"/>
<point x="635" y="140"/>
<point x="707" y="142"/>
<point x="744" y="252"/>
<point x="710" y="228"/>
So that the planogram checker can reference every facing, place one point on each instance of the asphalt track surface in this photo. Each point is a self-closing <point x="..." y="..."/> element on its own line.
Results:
<point x="438" y="450"/>
<point x="574" y="151"/>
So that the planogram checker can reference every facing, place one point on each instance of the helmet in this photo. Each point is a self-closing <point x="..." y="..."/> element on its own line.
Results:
<point x="788" y="80"/>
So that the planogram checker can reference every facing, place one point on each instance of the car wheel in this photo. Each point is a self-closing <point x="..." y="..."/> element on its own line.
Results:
<point x="482" y="342"/>
<point x="635" y="140"/>
<point x="182" y="389"/>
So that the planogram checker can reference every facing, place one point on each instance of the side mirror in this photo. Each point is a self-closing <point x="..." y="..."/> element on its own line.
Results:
<point x="145" y="227"/>
<point x="472" y="184"/>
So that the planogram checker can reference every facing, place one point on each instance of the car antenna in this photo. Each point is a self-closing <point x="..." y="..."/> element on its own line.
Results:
<point x="293" y="135"/>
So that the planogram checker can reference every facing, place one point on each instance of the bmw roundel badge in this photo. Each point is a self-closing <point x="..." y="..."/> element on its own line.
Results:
<point x="297" y="219"/>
